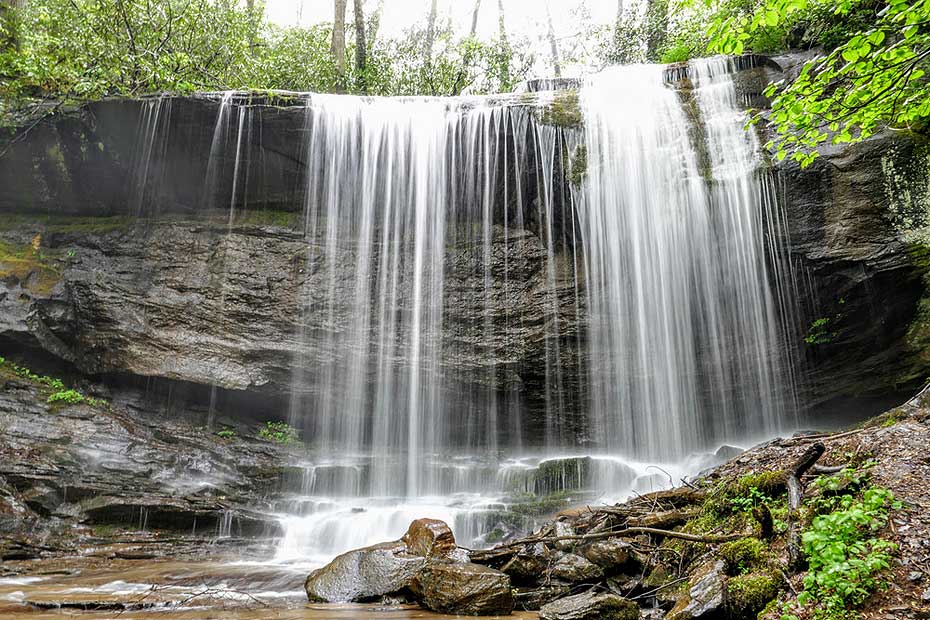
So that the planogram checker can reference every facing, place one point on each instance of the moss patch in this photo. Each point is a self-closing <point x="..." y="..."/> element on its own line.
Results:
<point x="284" y="219"/>
<point x="743" y="555"/>
<point x="29" y="266"/>
<point x="747" y="595"/>
<point x="564" y="111"/>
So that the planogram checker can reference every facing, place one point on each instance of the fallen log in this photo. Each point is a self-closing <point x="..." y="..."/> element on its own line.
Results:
<point x="795" y="492"/>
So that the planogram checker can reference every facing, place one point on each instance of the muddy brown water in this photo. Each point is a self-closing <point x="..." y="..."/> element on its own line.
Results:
<point x="95" y="589"/>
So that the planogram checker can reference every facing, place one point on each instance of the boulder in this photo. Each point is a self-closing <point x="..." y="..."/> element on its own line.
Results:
<point x="364" y="574"/>
<point x="464" y="589"/>
<point x="532" y="599"/>
<point x="529" y="564"/>
<point x="590" y="606"/>
<point x="430" y="538"/>
<point x="562" y="529"/>
<point x="706" y="595"/>
<point x="612" y="555"/>
<point x="725" y="452"/>
<point x="574" y="569"/>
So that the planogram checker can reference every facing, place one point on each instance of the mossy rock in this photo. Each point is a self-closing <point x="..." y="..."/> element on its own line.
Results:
<point x="29" y="266"/>
<point x="564" y="111"/>
<point x="771" y="483"/>
<point x="743" y="555"/>
<point x="748" y="595"/>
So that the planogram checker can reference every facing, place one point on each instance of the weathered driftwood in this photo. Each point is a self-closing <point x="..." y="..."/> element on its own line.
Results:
<point x="795" y="492"/>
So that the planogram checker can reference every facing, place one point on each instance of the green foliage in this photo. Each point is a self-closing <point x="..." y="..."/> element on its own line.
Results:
<point x="227" y="432"/>
<point x="279" y="432"/>
<point x="70" y="397"/>
<point x="819" y="332"/>
<point x="845" y="554"/>
<point x="745" y="503"/>
<point x="81" y="49"/>
<point x="873" y="77"/>
<point x="60" y="393"/>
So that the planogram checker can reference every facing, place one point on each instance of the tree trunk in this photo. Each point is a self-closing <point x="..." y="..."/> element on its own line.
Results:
<point x="374" y="24"/>
<point x="360" y="43"/>
<point x="656" y="28"/>
<point x="339" y="44"/>
<point x="474" y="18"/>
<point x="430" y="34"/>
<point x="505" y="43"/>
<point x="8" y="20"/>
<point x="553" y="45"/>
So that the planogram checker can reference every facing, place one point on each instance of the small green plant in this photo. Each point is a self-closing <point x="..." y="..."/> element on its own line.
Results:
<point x="227" y="432"/>
<point x="845" y="555"/>
<point x="745" y="503"/>
<point x="70" y="397"/>
<point x="819" y="332"/>
<point x="279" y="432"/>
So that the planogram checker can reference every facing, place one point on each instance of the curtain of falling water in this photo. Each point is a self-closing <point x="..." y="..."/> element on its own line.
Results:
<point x="684" y="334"/>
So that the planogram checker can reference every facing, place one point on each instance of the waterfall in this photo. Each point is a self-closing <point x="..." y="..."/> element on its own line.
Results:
<point x="634" y="257"/>
<point x="684" y="334"/>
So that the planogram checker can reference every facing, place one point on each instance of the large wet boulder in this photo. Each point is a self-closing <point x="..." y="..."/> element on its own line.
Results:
<point x="365" y="574"/>
<point x="611" y="555"/>
<point x="464" y="589"/>
<point x="573" y="568"/>
<point x="706" y="595"/>
<point x="529" y="565"/>
<point x="590" y="606"/>
<point x="430" y="538"/>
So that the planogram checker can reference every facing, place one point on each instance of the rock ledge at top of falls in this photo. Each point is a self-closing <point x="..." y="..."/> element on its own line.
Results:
<point x="425" y="564"/>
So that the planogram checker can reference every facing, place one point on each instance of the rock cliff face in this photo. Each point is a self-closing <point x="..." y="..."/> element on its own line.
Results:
<point x="127" y="281"/>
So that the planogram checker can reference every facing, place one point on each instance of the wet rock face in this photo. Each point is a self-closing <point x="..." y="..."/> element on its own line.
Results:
<point x="845" y="217"/>
<point x="706" y="594"/>
<point x="431" y="539"/>
<point x="364" y="574"/>
<point x="198" y="302"/>
<point x="464" y="589"/>
<point x="590" y="606"/>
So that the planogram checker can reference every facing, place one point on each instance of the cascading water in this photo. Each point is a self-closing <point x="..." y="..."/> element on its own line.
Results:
<point x="450" y="240"/>
<point x="684" y="334"/>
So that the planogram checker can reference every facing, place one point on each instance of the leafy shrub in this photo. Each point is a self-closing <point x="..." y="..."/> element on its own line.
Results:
<point x="227" y="433"/>
<point x="279" y="432"/>
<point x="845" y="555"/>
<point x="70" y="397"/>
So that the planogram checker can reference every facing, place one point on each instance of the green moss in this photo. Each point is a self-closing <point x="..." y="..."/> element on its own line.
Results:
<point x="284" y="219"/>
<point x="747" y="595"/>
<point x="657" y="577"/>
<point x="771" y="483"/>
<point x="743" y="555"/>
<point x="29" y="265"/>
<point x="564" y="111"/>
<point x="578" y="165"/>
<point x="66" y="223"/>
<point x="546" y="505"/>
